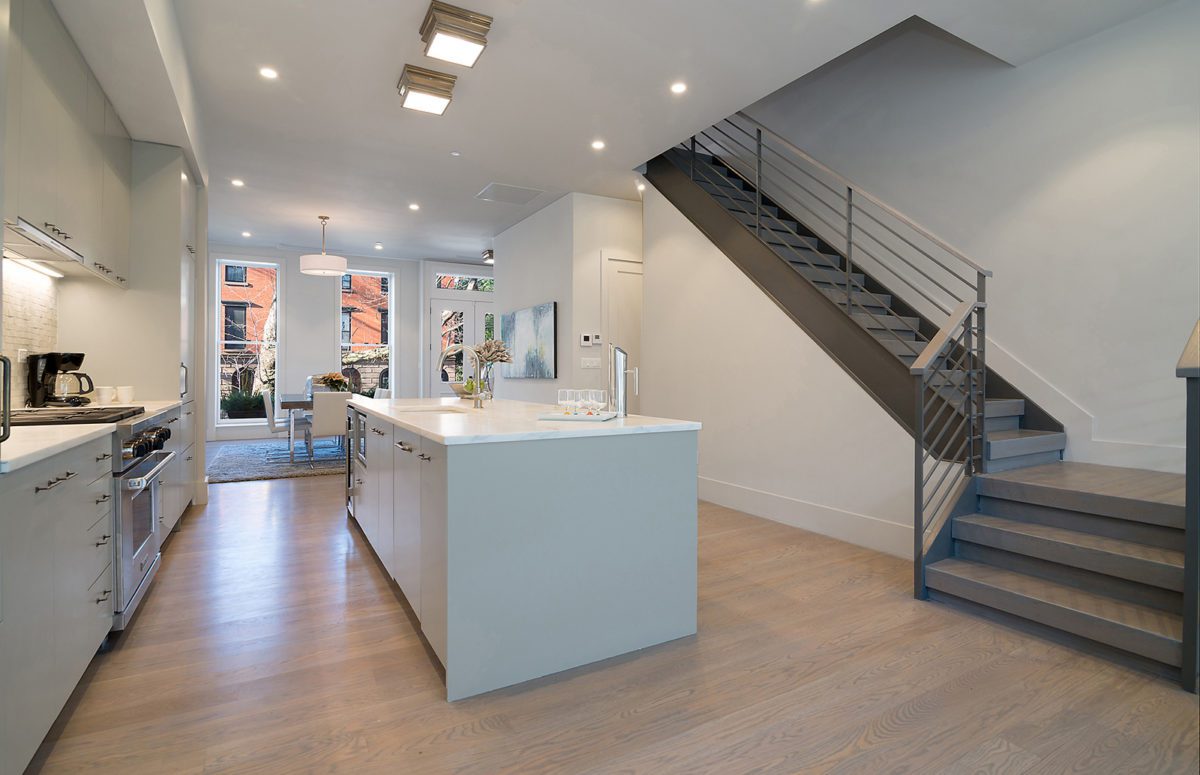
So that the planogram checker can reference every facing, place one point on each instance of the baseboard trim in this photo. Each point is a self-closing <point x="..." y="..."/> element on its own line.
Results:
<point x="858" y="529"/>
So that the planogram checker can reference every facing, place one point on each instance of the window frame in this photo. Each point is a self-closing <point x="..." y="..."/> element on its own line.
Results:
<point x="388" y="289"/>
<point x="216" y="331"/>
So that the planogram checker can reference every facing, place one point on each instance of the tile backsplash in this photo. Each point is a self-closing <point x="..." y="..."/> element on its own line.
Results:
<point x="30" y="320"/>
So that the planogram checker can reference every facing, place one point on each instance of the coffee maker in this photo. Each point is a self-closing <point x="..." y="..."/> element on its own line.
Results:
<point x="44" y="371"/>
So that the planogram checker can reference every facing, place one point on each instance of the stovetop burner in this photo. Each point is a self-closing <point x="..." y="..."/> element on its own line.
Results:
<point x="74" y="415"/>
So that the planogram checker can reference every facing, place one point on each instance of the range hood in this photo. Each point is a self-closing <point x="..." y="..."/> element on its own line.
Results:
<point x="30" y="242"/>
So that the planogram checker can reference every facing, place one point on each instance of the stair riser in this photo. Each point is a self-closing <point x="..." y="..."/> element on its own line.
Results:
<point x="1030" y="445"/>
<point x="806" y="258"/>
<point x="725" y="192"/>
<point x="907" y="351"/>
<point x="1129" y="639"/>
<point x="1128" y="591"/>
<point x="1088" y="503"/>
<point x="1129" y="568"/>
<point x="1005" y="407"/>
<point x="879" y="332"/>
<point x="1109" y="527"/>
<point x="1002" y="423"/>
<point x="1022" y="461"/>
<point x="825" y="277"/>
<point x="859" y="298"/>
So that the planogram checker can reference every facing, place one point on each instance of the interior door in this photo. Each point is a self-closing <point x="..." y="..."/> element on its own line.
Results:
<point x="450" y="322"/>
<point x="624" y="282"/>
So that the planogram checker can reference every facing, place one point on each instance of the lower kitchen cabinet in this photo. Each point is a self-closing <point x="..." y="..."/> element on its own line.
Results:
<point x="177" y="478"/>
<point x="56" y="588"/>
<point x="406" y="515"/>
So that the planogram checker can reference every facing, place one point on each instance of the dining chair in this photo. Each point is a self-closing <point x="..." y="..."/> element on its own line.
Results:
<point x="294" y="424"/>
<point x="383" y="393"/>
<point x="329" y="417"/>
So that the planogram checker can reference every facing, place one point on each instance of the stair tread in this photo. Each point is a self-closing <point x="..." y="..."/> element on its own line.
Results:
<point x="1091" y="541"/>
<point x="1017" y="442"/>
<point x="1129" y="615"/>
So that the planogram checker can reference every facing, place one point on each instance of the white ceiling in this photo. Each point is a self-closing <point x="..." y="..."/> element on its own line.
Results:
<point x="329" y="136"/>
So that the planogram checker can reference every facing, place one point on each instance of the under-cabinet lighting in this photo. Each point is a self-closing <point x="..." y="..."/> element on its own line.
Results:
<point x="454" y="34"/>
<point x="425" y="90"/>
<point x="34" y="266"/>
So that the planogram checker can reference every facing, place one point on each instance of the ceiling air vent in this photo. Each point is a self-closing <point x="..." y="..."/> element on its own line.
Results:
<point x="513" y="195"/>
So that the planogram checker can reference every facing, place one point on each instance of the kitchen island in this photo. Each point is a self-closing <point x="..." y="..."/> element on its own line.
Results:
<point x="527" y="547"/>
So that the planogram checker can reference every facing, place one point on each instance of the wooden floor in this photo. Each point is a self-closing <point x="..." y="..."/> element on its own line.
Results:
<point x="272" y="643"/>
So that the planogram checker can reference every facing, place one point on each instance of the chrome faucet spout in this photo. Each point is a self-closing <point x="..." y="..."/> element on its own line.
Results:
<point x="476" y="377"/>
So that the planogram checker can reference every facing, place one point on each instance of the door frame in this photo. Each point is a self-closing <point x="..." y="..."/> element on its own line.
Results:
<point x="611" y="261"/>
<point x="430" y="294"/>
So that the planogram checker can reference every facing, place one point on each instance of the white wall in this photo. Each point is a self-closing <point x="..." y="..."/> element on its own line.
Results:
<point x="787" y="433"/>
<point x="1074" y="177"/>
<point x="310" y="322"/>
<point x="556" y="254"/>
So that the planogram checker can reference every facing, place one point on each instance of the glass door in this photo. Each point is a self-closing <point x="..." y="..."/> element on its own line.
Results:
<point x="451" y="322"/>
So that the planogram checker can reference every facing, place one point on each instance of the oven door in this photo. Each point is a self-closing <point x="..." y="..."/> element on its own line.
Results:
<point x="137" y="527"/>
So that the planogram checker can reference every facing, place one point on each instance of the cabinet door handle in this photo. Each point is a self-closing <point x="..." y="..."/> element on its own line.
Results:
<point x="103" y="540"/>
<point x="103" y="499"/>
<point x="425" y="457"/>
<point x="173" y="419"/>
<point x="358" y="481"/>
<point x="188" y="458"/>
<point x="50" y="485"/>
<point x="404" y="447"/>
<point x="103" y="596"/>
<point x="66" y="475"/>
<point x="105" y="456"/>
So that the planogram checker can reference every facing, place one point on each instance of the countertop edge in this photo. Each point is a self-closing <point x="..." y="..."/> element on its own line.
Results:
<point x="48" y="450"/>
<point x="575" y="431"/>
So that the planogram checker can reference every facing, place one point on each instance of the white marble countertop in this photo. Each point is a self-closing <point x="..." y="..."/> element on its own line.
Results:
<point x="31" y="443"/>
<point x="500" y="420"/>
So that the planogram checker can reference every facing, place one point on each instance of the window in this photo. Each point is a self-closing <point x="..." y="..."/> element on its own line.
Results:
<point x="366" y="355"/>
<point x="456" y="282"/>
<point x="246" y="330"/>
<point x="235" y="326"/>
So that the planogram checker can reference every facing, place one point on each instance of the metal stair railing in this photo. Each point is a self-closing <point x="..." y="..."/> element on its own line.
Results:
<point x="917" y="267"/>
<point x="1188" y="369"/>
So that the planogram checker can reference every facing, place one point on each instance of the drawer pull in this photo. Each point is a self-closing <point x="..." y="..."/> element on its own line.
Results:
<point x="425" y="457"/>
<point x="50" y="485"/>
<point x="404" y="447"/>
<point x="173" y="419"/>
<point x="105" y="456"/>
<point x="66" y="475"/>
<point x="105" y="498"/>
<point x="104" y="596"/>
<point x="103" y="540"/>
<point x="188" y="458"/>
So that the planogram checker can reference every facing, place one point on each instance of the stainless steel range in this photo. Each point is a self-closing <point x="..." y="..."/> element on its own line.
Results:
<point x="138" y="460"/>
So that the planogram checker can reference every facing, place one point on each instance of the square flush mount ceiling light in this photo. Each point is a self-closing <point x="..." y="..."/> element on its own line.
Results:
<point x="425" y="90"/>
<point x="454" y="34"/>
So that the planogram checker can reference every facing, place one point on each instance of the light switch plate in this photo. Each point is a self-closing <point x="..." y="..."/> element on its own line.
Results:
<point x="589" y="363"/>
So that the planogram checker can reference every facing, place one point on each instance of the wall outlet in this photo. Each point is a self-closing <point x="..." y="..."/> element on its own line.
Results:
<point x="22" y="355"/>
<point x="589" y="363"/>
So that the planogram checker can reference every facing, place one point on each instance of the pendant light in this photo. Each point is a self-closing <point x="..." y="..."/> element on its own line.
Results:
<point x="321" y="264"/>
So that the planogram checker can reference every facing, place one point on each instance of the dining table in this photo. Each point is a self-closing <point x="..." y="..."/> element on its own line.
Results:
<point x="293" y="403"/>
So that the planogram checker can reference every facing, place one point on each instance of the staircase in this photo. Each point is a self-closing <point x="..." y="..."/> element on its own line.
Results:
<point x="1103" y="557"/>
<point x="1090" y="550"/>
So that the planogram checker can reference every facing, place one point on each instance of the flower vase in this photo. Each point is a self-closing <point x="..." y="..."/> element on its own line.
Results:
<point x="486" y="388"/>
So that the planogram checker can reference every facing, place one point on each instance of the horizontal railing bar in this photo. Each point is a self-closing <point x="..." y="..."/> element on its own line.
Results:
<point x="942" y="337"/>
<point x="962" y="423"/>
<point x="970" y="284"/>
<point x="839" y="194"/>
<point x="925" y="295"/>
<point x="936" y="509"/>
<point x="907" y="263"/>
<point x="870" y="197"/>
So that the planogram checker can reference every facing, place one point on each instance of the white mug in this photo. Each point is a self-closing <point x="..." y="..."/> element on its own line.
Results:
<point x="124" y="394"/>
<point x="105" y="395"/>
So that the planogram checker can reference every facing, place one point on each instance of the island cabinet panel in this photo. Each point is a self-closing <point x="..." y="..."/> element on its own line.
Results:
<point x="376" y="521"/>
<point x="366" y="506"/>
<point x="434" y="484"/>
<point x="406" y="515"/>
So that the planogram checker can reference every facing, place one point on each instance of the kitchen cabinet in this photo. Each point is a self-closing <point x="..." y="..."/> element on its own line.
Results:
<point x="66" y="173"/>
<point x="434" y="515"/>
<point x="176" y="482"/>
<point x="56" y="588"/>
<point x="373" y="506"/>
<point x="406" y="515"/>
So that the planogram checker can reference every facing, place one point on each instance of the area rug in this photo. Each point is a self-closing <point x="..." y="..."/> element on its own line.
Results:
<point x="243" y="462"/>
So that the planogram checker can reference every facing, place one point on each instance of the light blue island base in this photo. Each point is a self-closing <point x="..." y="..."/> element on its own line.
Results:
<point x="559" y="553"/>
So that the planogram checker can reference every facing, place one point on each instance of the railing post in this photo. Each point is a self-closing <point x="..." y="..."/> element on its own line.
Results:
<point x="1191" y="553"/>
<point x="919" y="591"/>
<point x="692" y="160"/>
<point x="849" y="241"/>
<point x="981" y="386"/>
<point x="758" y="182"/>
<point x="969" y="404"/>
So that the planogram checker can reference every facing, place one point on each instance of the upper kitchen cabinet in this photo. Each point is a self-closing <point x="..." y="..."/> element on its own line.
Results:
<point x="69" y="166"/>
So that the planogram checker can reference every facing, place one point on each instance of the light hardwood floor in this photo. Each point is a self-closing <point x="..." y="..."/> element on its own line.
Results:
<point x="272" y="643"/>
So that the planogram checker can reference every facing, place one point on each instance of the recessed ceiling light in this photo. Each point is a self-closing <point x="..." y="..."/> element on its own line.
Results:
<point x="679" y="87"/>
<point x="489" y="256"/>
<point x="246" y="234"/>
<point x="379" y="246"/>
<point x="270" y="73"/>
<point x="455" y="153"/>
<point x="454" y="34"/>
<point x="237" y="182"/>
<point x="425" y="90"/>
<point x="414" y="206"/>
<point x="597" y="145"/>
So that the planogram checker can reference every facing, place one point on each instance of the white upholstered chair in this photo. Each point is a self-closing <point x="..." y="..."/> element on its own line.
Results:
<point x="329" y="416"/>
<point x="296" y="424"/>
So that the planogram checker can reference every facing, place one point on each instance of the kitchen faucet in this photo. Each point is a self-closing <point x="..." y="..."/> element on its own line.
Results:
<point x="477" y="376"/>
